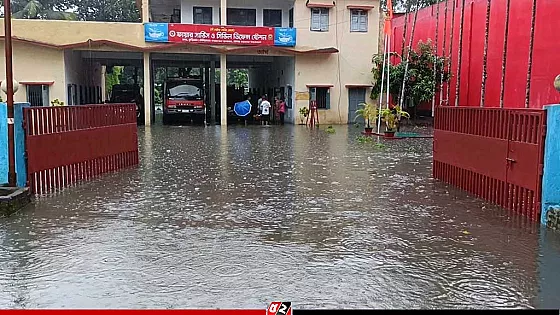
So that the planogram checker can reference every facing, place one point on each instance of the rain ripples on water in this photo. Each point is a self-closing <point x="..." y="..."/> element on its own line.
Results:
<point x="237" y="219"/>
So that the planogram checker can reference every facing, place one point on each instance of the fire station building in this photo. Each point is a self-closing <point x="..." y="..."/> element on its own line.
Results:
<point x="302" y="50"/>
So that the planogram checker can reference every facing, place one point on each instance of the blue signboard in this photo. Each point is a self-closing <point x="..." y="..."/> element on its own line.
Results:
<point x="285" y="37"/>
<point x="156" y="32"/>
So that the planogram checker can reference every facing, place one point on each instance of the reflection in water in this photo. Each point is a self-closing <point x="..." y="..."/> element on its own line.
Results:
<point x="238" y="218"/>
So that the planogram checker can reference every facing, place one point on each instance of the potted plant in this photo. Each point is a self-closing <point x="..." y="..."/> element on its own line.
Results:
<point x="303" y="113"/>
<point x="392" y="118"/>
<point x="369" y="113"/>
<point x="57" y="102"/>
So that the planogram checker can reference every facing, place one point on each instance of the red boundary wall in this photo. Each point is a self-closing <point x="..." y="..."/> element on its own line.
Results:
<point x="546" y="57"/>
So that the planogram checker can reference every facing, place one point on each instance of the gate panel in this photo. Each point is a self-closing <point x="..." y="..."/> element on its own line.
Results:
<point x="68" y="144"/>
<point x="495" y="154"/>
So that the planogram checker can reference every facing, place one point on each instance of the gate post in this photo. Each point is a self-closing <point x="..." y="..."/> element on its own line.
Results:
<point x="551" y="172"/>
<point x="3" y="144"/>
<point x="19" y="145"/>
<point x="19" y="136"/>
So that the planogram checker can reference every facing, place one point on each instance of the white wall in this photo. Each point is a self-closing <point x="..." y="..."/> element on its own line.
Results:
<point x="280" y="74"/>
<point x="284" y="75"/>
<point x="79" y="71"/>
<point x="284" y="5"/>
<point x="33" y="63"/>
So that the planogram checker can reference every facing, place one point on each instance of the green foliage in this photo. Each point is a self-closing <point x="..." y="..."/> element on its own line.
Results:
<point x="368" y="112"/>
<point x="371" y="140"/>
<point x="402" y="6"/>
<point x="107" y="10"/>
<point x="420" y="81"/>
<point x="236" y="77"/>
<point x="87" y="10"/>
<point x="330" y="130"/>
<point x="57" y="102"/>
<point x="44" y="9"/>
<point x="113" y="78"/>
<point x="364" y="139"/>
<point x="392" y="117"/>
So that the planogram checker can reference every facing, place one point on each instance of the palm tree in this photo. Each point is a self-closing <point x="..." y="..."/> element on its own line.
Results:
<point x="34" y="9"/>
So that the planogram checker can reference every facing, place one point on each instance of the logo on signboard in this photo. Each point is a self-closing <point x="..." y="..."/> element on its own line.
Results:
<point x="156" y="32"/>
<point x="285" y="37"/>
<point x="279" y="308"/>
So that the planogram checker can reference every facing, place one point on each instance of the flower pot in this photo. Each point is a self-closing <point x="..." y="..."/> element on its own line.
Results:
<point x="368" y="131"/>
<point x="389" y="134"/>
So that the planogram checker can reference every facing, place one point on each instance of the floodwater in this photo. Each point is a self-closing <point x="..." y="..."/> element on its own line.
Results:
<point x="237" y="220"/>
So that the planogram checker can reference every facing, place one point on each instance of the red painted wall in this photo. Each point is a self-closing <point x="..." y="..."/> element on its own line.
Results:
<point x="546" y="53"/>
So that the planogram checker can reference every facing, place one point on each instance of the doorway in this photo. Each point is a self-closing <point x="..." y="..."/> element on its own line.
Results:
<point x="356" y="96"/>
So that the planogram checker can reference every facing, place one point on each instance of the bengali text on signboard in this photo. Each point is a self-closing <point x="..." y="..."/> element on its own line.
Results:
<point x="219" y="35"/>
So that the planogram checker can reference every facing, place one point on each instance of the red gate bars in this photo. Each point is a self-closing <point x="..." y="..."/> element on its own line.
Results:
<point x="68" y="144"/>
<point x="495" y="154"/>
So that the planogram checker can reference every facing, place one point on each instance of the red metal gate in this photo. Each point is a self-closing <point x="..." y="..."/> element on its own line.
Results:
<point x="496" y="154"/>
<point x="68" y="144"/>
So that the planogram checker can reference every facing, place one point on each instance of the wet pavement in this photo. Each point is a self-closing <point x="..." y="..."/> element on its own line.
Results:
<point x="236" y="220"/>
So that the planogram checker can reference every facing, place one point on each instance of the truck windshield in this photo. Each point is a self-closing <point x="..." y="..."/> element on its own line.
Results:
<point x="184" y="91"/>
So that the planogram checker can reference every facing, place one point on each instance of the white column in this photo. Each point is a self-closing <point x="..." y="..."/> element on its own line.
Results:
<point x="223" y="89"/>
<point x="147" y="90"/>
<point x="223" y="71"/>
<point x="213" y="91"/>
<point x="103" y="82"/>
<point x="145" y="11"/>
<point x="223" y="12"/>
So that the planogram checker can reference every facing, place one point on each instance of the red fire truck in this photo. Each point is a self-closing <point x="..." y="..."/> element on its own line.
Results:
<point x="184" y="99"/>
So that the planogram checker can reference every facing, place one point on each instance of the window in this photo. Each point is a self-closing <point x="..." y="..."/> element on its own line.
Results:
<point x="69" y="98"/>
<point x="320" y="19"/>
<point x="202" y="15"/>
<point x="181" y="90"/>
<point x="321" y="95"/>
<point x="358" y="21"/>
<point x="272" y="18"/>
<point x="291" y="18"/>
<point x="38" y="95"/>
<point x="242" y="17"/>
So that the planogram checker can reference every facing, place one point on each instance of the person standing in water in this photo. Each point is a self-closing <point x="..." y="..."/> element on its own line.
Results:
<point x="281" y="110"/>
<point x="265" y="111"/>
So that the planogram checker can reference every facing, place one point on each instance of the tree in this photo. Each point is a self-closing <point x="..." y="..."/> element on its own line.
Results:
<point x="421" y="84"/>
<point x="236" y="77"/>
<point x="106" y="10"/>
<point x="43" y="9"/>
<point x="112" y="78"/>
<point x="400" y="6"/>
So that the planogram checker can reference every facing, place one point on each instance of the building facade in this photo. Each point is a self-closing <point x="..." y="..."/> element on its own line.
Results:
<point x="303" y="50"/>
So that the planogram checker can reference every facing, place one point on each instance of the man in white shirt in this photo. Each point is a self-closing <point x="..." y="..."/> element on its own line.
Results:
<point x="265" y="111"/>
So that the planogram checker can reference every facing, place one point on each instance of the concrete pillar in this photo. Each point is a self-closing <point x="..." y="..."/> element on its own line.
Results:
<point x="145" y="11"/>
<point x="147" y="90"/>
<point x="223" y="12"/>
<point x="103" y="83"/>
<point x="223" y="89"/>
<point x="223" y="70"/>
<point x="551" y="172"/>
<point x="213" y="104"/>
